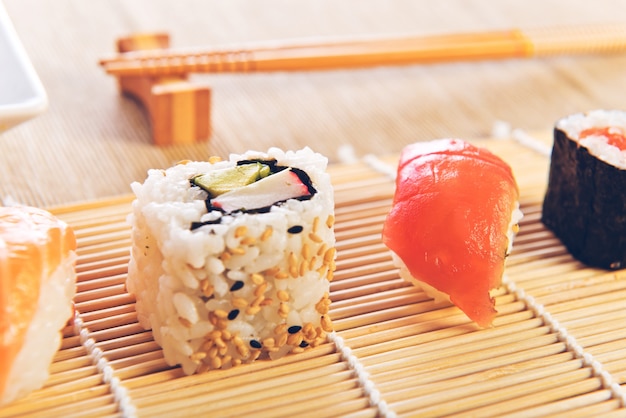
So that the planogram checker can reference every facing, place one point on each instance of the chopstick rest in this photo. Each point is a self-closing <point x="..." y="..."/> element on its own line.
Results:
<point x="178" y="109"/>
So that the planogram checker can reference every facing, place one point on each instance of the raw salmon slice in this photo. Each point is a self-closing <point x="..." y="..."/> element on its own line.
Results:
<point x="454" y="214"/>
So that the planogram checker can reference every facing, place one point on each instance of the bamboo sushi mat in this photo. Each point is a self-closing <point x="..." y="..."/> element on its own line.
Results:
<point x="557" y="348"/>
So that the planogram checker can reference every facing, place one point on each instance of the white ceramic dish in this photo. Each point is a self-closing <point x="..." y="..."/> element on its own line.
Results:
<point x="22" y="96"/>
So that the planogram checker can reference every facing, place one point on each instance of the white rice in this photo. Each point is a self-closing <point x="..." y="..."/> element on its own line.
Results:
<point x="597" y="145"/>
<point x="183" y="279"/>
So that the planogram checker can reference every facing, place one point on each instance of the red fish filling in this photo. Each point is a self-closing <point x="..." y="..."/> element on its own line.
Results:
<point x="614" y="136"/>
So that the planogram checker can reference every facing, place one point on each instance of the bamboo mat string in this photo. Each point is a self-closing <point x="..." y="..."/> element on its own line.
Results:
<point x="380" y="166"/>
<point x="523" y="138"/>
<point x="502" y="130"/>
<point x="362" y="377"/>
<point x="537" y="308"/>
<point x="570" y="342"/>
<point x="120" y="393"/>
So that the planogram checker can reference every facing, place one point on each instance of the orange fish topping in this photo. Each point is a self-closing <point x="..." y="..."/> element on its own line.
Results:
<point x="32" y="245"/>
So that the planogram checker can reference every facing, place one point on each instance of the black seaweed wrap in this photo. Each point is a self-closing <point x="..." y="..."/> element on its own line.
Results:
<point x="585" y="204"/>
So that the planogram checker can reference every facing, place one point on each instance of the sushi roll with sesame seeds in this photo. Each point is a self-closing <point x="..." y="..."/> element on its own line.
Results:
<point x="231" y="260"/>
<point x="585" y="202"/>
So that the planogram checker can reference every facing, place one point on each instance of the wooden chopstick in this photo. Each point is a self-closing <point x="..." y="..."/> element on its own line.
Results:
<point x="367" y="52"/>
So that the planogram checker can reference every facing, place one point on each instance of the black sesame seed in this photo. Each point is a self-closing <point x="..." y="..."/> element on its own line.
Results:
<point x="255" y="344"/>
<point x="236" y="286"/>
<point x="296" y="229"/>
<point x="304" y="344"/>
<point x="233" y="314"/>
<point x="294" y="329"/>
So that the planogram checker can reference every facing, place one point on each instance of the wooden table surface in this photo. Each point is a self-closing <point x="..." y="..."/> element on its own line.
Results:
<point x="92" y="142"/>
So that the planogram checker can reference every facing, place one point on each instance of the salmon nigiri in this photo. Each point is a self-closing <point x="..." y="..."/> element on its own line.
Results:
<point x="451" y="226"/>
<point x="37" y="284"/>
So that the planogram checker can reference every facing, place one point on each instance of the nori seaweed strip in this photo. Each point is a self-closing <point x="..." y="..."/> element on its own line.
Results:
<point x="196" y="225"/>
<point x="271" y="162"/>
<point x="585" y="204"/>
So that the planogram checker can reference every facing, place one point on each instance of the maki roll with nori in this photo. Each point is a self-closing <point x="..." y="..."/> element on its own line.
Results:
<point x="231" y="260"/>
<point x="585" y="203"/>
